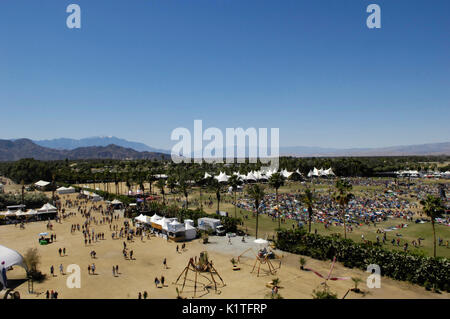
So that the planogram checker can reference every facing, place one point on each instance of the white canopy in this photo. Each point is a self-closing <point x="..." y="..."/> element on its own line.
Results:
<point x="175" y="226"/>
<point x="250" y="177"/>
<point x="47" y="208"/>
<point x="207" y="176"/>
<point x="116" y="202"/>
<point x="65" y="190"/>
<point x="143" y="219"/>
<point x="285" y="173"/>
<point x="155" y="218"/>
<point x="8" y="258"/>
<point x="260" y="241"/>
<point x="222" y="177"/>
<point x="42" y="183"/>
<point x="20" y="213"/>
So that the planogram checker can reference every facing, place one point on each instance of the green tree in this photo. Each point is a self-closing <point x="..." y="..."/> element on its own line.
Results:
<point x="433" y="208"/>
<point x="234" y="181"/>
<point x="276" y="180"/>
<point x="343" y="196"/>
<point x="308" y="200"/>
<point x="256" y="193"/>
<point x="161" y="183"/>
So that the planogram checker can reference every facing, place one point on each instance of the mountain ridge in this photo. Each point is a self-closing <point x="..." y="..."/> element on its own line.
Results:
<point x="26" y="148"/>
<point x="71" y="143"/>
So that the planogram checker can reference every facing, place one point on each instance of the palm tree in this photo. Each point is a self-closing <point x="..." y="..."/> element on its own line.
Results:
<point x="116" y="183"/>
<point x="200" y="182"/>
<point x="151" y="178"/>
<point x="23" y="191"/>
<point x="217" y="187"/>
<point x="256" y="192"/>
<point x="234" y="182"/>
<point x="161" y="183"/>
<point x="276" y="180"/>
<point x="343" y="196"/>
<point x="433" y="208"/>
<point x="183" y="186"/>
<point x="308" y="200"/>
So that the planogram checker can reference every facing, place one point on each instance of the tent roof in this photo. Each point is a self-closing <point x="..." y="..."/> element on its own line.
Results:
<point x="10" y="257"/>
<point x="116" y="202"/>
<point x="41" y="183"/>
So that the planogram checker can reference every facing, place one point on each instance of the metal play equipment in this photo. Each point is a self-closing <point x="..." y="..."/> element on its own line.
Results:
<point x="262" y="258"/>
<point x="201" y="268"/>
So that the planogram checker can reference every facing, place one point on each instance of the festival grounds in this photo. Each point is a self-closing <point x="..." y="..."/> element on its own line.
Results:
<point x="138" y="275"/>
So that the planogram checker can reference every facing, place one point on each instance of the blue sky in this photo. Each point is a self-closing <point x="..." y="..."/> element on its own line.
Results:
<point x="139" y="69"/>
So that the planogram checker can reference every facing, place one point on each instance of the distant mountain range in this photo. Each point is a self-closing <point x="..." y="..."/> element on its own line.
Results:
<point x="25" y="148"/>
<point x="403" y="150"/>
<point x="71" y="144"/>
<point x="98" y="148"/>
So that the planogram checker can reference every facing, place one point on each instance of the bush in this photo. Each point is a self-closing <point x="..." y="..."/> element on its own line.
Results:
<point x="324" y="294"/>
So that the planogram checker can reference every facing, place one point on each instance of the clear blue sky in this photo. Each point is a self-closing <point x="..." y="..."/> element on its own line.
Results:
<point x="138" y="69"/>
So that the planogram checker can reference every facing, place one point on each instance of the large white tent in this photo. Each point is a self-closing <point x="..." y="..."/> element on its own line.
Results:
<point x="8" y="258"/>
<point x="222" y="177"/>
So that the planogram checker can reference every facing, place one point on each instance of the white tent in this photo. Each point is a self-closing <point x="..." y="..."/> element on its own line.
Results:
<point x="8" y="213"/>
<point x="285" y="173"/>
<point x="47" y="208"/>
<point x="175" y="226"/>
<point x="20" y="213"/>
<point x="250" y="177"/>
<point x="222" y="177"/>
<point x="143" y="219"/>
<point x="9" y="258"/>
<point x="207" y="176"/>
<point x="155" y="218"/>
<point x="261" y="241"/>
<point x="65" y="190"/>
<point x="116" y="202"/>
<point x="190" y="232"/>
<point x="31" y="212"/>
<point x="42" y="183"/>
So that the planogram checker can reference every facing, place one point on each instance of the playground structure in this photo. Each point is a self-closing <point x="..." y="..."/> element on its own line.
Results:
<point x="328" y="277"/>
<point x="263" y="257"/>
<point x="201" y="268"/>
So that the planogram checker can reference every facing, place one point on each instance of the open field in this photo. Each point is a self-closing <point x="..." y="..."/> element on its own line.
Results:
<point x="138" y="275"/>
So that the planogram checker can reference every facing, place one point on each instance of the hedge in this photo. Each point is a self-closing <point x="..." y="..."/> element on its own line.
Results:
<point x="421" y="270"/>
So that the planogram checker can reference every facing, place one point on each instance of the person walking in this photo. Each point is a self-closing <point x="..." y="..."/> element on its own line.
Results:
<point x="52" y="270"/>
<point x="61" y="269"/>
<point x="165" y="263"/>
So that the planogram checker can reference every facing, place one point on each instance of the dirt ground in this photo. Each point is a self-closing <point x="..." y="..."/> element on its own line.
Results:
<point x="138" y="275"/>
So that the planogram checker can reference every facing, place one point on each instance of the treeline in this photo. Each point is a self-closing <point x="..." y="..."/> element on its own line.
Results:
<point x="30" y="200"/>
<point x="138" y="171"/>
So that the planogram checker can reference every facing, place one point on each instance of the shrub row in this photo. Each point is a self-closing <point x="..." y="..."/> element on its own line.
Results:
<point x="421" y="270"/>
